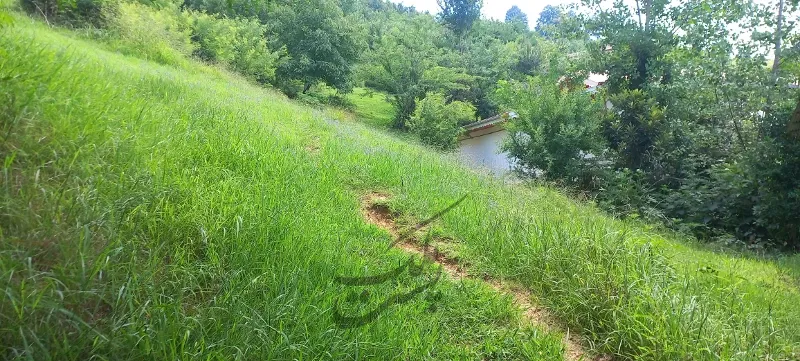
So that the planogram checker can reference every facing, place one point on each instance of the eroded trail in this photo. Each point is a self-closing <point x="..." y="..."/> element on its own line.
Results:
<point x="375" y="211"/>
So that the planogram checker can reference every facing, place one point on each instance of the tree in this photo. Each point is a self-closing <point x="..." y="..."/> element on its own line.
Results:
<point x="230" y="8"/>
<point x="322" y="45"/>
<point x="438" y="123"/>
<point x="489" y="55"/>
<point x="459" y="15"/>
<point x="640" y="49"/>
<point x="690" y="129"/>
<point x="549" y="18"/>
<point x="634" y="40"/>
<point x="556" y="134"/>
<point x="515" y="16"/>
<point x="404" y="63"/>
<point x="237" y="43"/>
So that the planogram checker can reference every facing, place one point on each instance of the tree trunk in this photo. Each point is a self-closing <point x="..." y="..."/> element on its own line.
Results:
<point x="778" y="41"/>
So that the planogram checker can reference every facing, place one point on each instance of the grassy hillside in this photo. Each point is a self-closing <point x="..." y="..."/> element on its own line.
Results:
<point x="158" y="213"/>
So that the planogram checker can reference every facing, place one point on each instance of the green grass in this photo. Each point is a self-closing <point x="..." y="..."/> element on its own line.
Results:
<point x="370" y="106"/>
<point x="150" y="212"/>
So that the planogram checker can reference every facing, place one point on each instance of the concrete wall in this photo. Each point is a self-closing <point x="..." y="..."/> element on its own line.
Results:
<point x="484" y="151"/>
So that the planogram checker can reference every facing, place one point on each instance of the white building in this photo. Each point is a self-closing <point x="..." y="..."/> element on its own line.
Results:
<point x="480" y="144"/>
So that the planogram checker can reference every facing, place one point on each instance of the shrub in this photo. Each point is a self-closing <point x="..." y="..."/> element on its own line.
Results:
<point x="437" y="122"/>
<point x="159" y="35"/>
<point x="764" y="186"/>
<point x="78" y="13"/>
<point x="634" y="127"/>
<point x="627" y="193"/>
<point x="556" y="134"/>
<point x="238" y="44"/>
<point x="774" y="168"/>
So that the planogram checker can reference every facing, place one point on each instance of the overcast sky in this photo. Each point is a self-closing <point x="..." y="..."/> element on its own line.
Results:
<point x="495" y="9"/>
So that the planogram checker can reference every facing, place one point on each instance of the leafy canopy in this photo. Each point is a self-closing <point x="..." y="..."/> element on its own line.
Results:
<point x="459" y="15"/>
<point x="556" y="133"/>
<point x="321" y="42"/>
<point x="515" y="16"/>
<point x="406" y="63"/>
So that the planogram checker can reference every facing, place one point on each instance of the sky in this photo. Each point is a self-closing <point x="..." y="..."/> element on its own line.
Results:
<point x="495" y="9"/>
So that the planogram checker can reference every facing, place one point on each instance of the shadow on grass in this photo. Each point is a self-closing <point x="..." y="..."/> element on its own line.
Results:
<point x="346" y="321"/>
<point x="414" y="270"/>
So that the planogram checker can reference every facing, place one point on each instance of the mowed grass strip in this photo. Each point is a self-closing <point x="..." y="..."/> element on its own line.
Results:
<point x="150" y="212"/>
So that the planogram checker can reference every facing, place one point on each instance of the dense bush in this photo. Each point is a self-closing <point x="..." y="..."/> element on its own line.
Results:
<point x="764" y="187"/>
<point x="158" y="35"/>
<point x="438" y="123"/>
<point x="96" y="13"/>
<point x="633" y="128"/>
<point x="663" y="164"/>
<point x="556" y="134"/>
<point x="239" y="44"/>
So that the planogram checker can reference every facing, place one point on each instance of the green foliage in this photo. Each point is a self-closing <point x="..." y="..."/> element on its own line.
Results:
<point x="5" y="19"/>
<point x="161" y="4"/>
<point x="372" y="107"/>
<point x="633" y="127"/>
<point x="519" y="19"/>
<point x="77" y="13"/>
<point x="773" y="167"/>
<point x="491" y="52"/>
<point x="556" y="134"/>
<point x="239" y="44"/>
<point x="459" y="15"/>
<point x="757" y="196"/>
<point x="529" y="57"/>
<point x="549" y="18"/>
<point x="405" y="63"/>
<point x="438" y="123"/>
<point x="321" y="42"/>
<point x="628" y="193"/>
<point x="162" y="36"/>
<point x="752" y="197"/>
<point x="695" y="134"/>
<point x="234" y="8"/>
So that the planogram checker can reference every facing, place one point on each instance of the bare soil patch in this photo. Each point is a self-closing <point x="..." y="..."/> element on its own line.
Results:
<point x="376" y="211"/>
<point x="313" y="146"/>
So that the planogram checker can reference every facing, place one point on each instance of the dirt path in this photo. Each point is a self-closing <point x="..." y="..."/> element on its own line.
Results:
<point x="375" y="211"/>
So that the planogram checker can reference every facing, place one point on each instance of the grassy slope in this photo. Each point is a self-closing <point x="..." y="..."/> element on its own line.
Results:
<point x="148" y="211"/>
<point x="154" y="211"/>
<point x="370" y="106"/>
